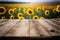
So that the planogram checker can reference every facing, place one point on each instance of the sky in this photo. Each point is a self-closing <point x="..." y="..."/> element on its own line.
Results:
<point x="31" y="0"/>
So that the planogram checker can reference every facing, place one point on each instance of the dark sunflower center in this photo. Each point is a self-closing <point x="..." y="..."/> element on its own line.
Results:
<point x="12" y="17"/>
<point x="59" y="8"/>
<point x="19" y="15"/>
<point x="35" y="17"/>
<point x="55" y="10"/>
<point x="47" y="12"/>
<point x="38" y="9"/>
<point x="1" y="10"/>
<point x="11" y="11"/>
<point x="30" y="12"/>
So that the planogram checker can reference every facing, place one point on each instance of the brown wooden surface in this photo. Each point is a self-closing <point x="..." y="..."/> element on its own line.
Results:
<point x="29" y="27"/>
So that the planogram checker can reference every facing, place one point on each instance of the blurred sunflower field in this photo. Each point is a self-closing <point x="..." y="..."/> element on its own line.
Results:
<point x="40" y="12"/>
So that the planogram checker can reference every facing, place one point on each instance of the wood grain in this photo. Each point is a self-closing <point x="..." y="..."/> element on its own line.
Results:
<point x="30" y="27"/>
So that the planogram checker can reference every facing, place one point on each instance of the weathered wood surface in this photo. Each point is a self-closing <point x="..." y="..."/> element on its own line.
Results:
<point x="19" y="29"/>
<point x="29" y="27"/>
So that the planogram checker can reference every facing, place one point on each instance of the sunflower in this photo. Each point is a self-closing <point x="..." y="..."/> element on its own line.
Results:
<point x="24" y="10"/>
<point x="42" y="18"/>
<point x="30" y="12"/>
<point x="43" y="7"/>
<point x="11" y="17"/>
<point x="54" y="10"/>
<point x="2" y="10"/>
<point x="14" y="9"/>
<point x="20" y="15"/>
<point x="47" y="12"/>
<point x="19" y="9"/>
<point x="3" y="17"/>
<point x="20" y="18"/>
<point x="35" y="17"/>
<point x="11" y="11"/>
<point x="58" y="8"/>
<point x="38" y="9"/>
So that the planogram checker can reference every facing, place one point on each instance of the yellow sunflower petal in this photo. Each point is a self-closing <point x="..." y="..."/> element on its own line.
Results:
<point x="38" y="9"/>
<point x="47" y="13"/>
<point x="20" y="15"/>
<point x="42" y="18"/>
<point x="58" y="8"/>
<point x="11" y="11"/>
<point x="43" y="7"/>
<point x="19" y="9"/>
<point x="30" y="12"/>
<point x="3" y="17"/>
<point x="14" y="9"/>
<point x="24" y="10"/>
<point x="35" y="17"/>
<point x="11" y="17"/>
<point x="54" y="10"/>
<point x="21" y="18"/>
<point x="2" y="10"/>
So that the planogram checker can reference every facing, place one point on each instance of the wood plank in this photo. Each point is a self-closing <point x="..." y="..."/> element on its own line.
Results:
<point x="20" y="29"/>
<point x="5" y="28"/>
<point x="33" y="31"/>
<point x="31" y="28"/>
<point x="37" y="30"/>
<point x="55" y="24"/>
<point x="3" y="22"/>
<point x="49" y="27"/>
